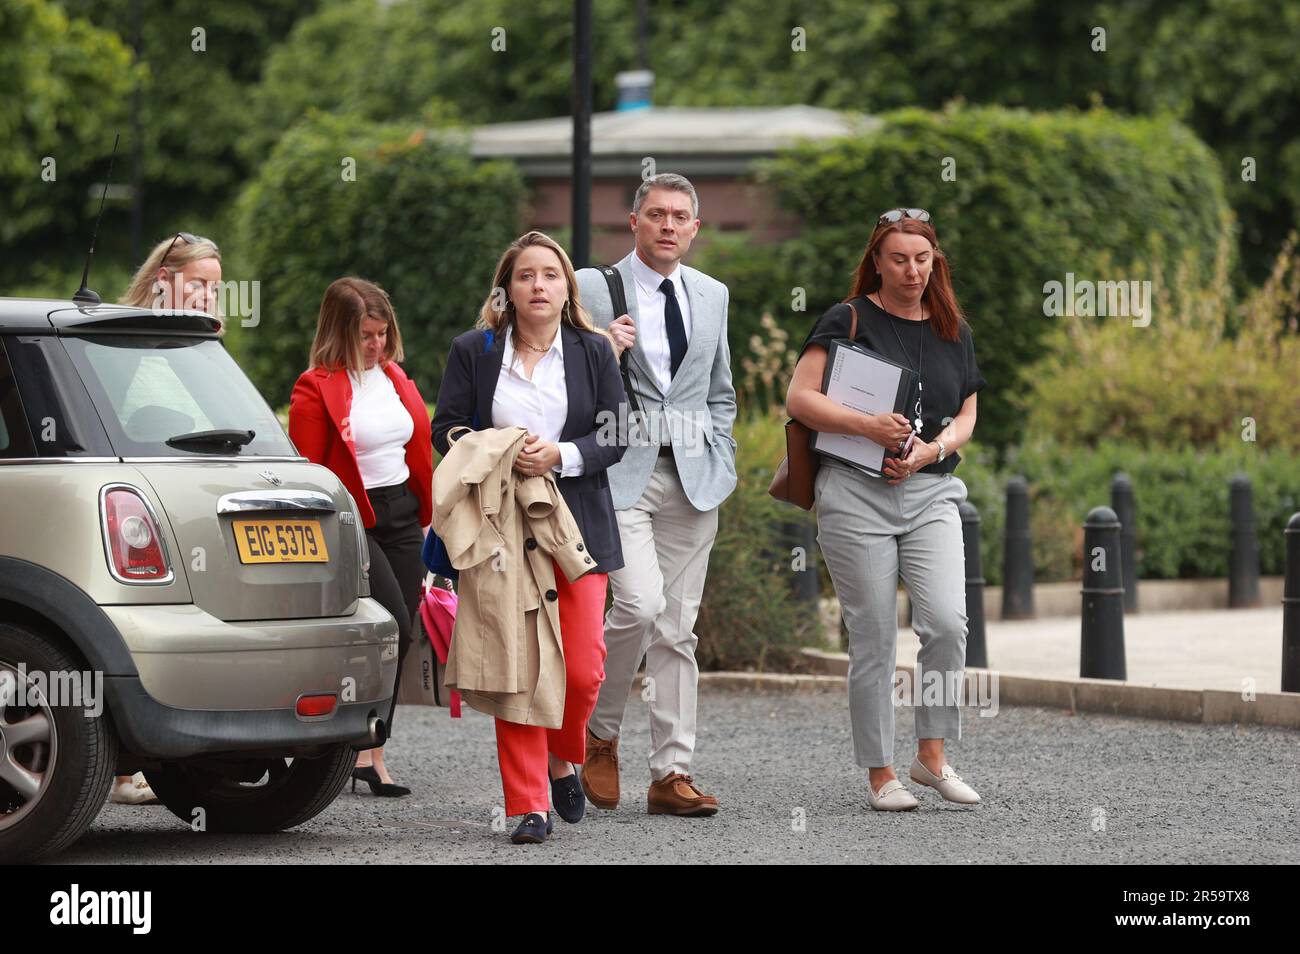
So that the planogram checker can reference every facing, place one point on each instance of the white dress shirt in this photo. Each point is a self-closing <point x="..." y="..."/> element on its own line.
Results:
<point x="652" y="327"/>
<point x="381" y="427"/>
<point x="540" y="404"/>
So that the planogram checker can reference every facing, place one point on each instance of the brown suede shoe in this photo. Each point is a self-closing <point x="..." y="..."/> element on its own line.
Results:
<point x="599" y="773"/>
<point x="676" y="794"/>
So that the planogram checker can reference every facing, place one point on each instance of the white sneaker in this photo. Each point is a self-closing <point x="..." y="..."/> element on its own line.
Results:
<point x="948" y="784"/>
<point x="892" y="797"/>
<point x="134" y="792"/>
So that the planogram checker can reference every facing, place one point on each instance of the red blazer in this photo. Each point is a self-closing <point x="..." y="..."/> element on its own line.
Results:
<point x="318" y="410"/>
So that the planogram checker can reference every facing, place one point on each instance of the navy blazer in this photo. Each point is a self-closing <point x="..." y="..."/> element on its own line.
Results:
<point x="594" y="385"/>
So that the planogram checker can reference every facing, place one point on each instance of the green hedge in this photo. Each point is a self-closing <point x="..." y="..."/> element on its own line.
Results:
<point x="1182" y="504"/>
<point x="1212" y="366"/>
<point x="1036" y="195"/>
<point x="749" y="618"/>
<point x="421" y="219"/>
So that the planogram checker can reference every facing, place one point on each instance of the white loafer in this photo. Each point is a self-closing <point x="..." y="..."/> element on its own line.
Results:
<point x="892" y="797"/>
<point x="948" y="784"/>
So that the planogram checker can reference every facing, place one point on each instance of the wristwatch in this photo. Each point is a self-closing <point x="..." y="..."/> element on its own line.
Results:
<point x="943" y="451"/>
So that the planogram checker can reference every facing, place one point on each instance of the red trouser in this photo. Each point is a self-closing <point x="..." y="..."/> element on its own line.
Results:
<point x="521" y="749"/>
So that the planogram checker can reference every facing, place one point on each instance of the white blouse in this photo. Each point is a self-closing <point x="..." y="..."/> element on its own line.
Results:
<point x="541" y="404"/>
<point x="381" y="427"/>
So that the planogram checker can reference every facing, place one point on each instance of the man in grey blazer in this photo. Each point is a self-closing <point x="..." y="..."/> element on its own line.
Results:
<point x="679" y="467"/>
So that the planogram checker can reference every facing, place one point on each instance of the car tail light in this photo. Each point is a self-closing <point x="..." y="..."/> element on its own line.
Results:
<point x="363" y="545"/>
<point x="133" y="540"/>
<point x="310" y="707"/>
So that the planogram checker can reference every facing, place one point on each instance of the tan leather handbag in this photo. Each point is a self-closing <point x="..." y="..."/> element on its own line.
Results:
<point x="794" y="478"/>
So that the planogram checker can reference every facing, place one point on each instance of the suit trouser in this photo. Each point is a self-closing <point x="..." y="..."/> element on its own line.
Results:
<point x="869" y="532"/>
<point x="666" y="544"/>
<point x="522" y="749"/>
<point x="396" y="570"/>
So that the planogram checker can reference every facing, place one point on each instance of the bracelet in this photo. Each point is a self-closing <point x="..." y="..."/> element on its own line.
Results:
<point x="943" y="451"/>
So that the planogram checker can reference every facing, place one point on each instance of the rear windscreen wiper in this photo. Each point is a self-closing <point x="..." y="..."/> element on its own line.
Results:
<point x="219" y="438"/>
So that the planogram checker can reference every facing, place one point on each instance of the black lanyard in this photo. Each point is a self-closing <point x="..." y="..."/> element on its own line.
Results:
<point x="920" y="355"/>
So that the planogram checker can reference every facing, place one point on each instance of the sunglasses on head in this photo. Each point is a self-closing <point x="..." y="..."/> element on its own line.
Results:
<point x="188" y="237"/>
<point x="894" y="215"/>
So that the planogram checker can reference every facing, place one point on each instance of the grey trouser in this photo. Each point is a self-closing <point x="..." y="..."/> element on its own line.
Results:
<point x="666" y="544"/>
<point x="870" y="531"/>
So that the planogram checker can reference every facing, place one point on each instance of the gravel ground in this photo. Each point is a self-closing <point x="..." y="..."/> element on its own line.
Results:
<point x="1056" y="788"/>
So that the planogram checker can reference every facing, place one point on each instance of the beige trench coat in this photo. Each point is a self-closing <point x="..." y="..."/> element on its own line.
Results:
<point x="501" y="531"/>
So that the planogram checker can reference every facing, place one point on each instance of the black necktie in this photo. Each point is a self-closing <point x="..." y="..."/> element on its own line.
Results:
<point x="676" y="326"/>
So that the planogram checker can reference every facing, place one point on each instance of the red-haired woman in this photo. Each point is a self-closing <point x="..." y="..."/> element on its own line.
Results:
<point x="357" y="413"/>
<point x="871" y="528"/>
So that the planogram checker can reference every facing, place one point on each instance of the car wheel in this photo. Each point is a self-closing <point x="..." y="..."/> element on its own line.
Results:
<point x="56" y="762"/>
<point x="251" y="795"/>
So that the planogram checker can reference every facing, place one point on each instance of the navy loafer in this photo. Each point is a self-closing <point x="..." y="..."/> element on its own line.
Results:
<point x="568" y="798"/>
<point x="532" y="830"/>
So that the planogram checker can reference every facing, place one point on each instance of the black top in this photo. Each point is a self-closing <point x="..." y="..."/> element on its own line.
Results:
<point x="594" y="387"/>
<point x="949" y="374"/>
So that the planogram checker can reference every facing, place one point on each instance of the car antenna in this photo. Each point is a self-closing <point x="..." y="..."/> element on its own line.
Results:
<point x="83" y="295"/>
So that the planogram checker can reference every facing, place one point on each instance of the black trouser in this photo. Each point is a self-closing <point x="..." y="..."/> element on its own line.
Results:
<point x="396" y="570"/>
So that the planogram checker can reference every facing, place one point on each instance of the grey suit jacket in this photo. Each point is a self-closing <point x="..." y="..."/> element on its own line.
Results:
<point x="700" y="407"/>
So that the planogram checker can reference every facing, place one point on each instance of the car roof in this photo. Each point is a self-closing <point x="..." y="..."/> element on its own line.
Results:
<point x="64" y="316"/>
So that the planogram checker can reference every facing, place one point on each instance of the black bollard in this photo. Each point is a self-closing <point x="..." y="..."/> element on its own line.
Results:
<point x="1101" y="648"/>
<point x="1291" y="608"/>
<point x="1243" y="559"/>
<point x="806" y="586"/>
<point x="1018" y="554"/>
<point x="976" y="650"/>
<point x="1121" y="500"/>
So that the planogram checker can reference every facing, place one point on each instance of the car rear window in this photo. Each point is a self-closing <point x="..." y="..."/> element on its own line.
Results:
<point x="149" y="389"/>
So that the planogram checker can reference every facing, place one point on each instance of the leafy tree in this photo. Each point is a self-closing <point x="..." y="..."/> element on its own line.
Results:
<point x="420" y="217"/>
<point x="60" y="82"/>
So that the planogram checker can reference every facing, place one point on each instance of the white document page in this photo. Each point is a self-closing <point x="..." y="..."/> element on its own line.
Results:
<point x="862" y="383"/>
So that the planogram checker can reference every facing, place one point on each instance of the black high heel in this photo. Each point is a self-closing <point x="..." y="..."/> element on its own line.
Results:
<point x="367" y="774"/>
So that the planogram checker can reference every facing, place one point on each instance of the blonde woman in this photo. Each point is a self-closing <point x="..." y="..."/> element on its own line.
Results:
<point x="535" y="361"/>
<point x="357" y="413"/>
<point x="182" y="271"/>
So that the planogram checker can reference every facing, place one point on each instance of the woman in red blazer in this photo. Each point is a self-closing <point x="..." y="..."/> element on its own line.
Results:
<point x="357" y="413"/>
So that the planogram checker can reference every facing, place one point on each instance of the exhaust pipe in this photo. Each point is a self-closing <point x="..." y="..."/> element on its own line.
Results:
<point x="376" y="734"/>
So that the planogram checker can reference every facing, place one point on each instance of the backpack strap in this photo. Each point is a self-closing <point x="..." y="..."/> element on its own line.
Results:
<point x="618" y="299"/>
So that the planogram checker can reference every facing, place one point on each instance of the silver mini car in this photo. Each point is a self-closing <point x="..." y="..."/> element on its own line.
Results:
<point x="180" y="591"/>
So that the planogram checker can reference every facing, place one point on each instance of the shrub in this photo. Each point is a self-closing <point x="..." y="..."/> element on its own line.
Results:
<point x="1192" y="378"/>
<point x="1034" y="196"/>
<point x="749" y="618"/>
<point x="421" y="219"/>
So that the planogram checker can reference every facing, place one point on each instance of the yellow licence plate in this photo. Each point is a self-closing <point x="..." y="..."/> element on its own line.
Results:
<point x="280" y="541"/>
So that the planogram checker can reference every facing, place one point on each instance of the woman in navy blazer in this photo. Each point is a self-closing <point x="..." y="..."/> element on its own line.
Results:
<point x="534" y="360"/>
<point x="595" y="389"/>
